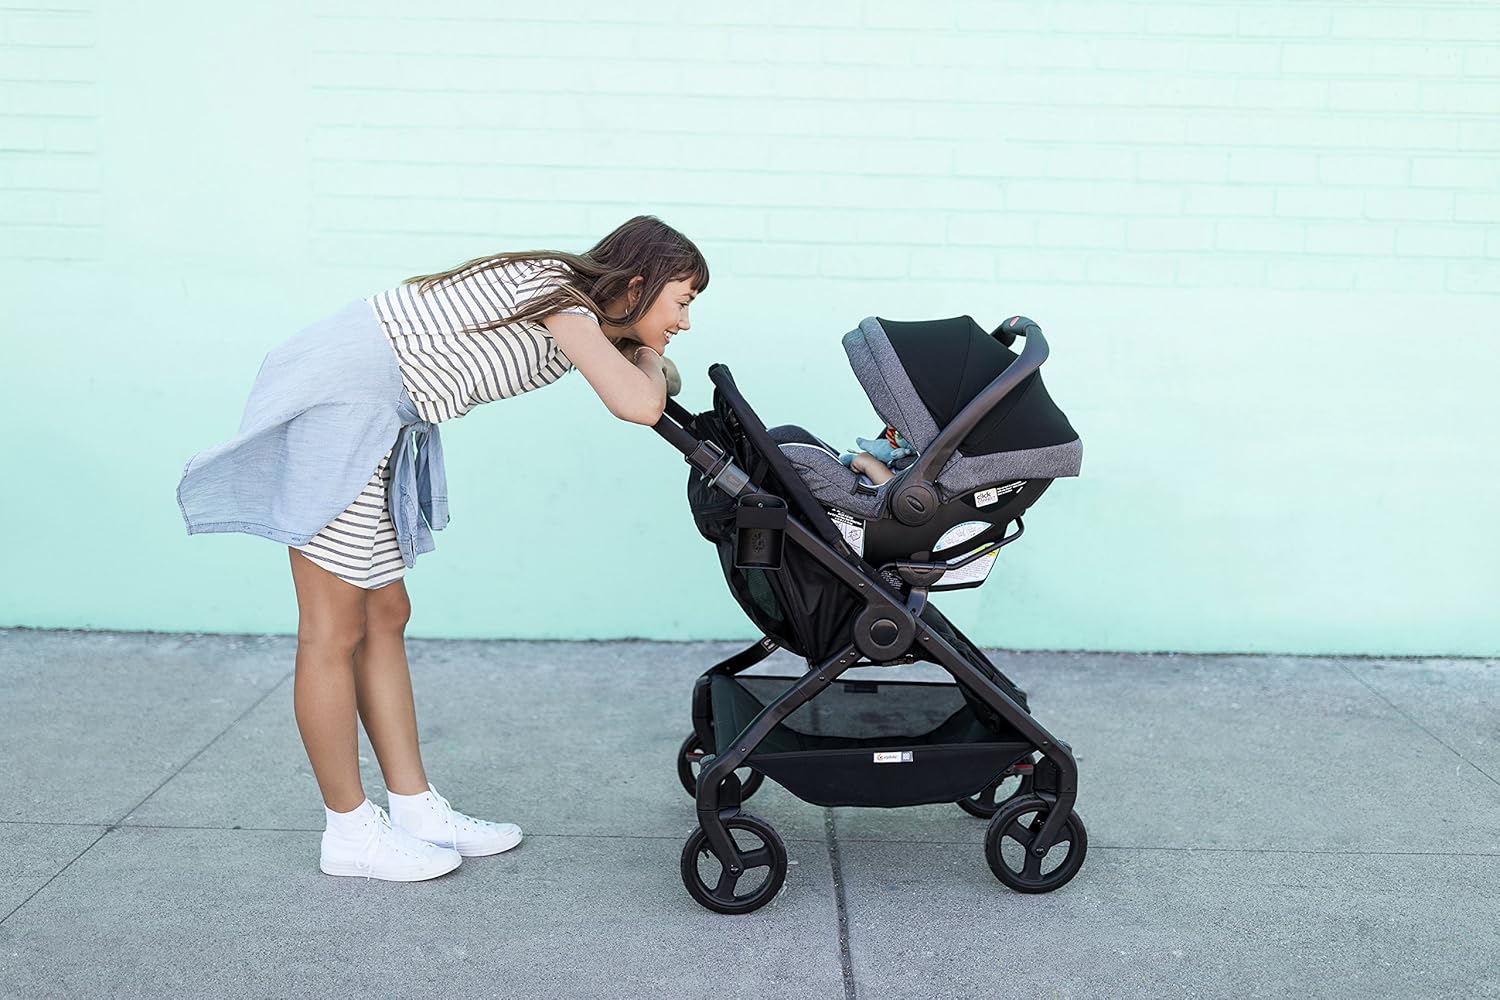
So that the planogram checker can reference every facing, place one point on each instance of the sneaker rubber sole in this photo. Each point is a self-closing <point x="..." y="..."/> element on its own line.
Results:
<point x="506" y="845"/>
<point x="351" y="869"/>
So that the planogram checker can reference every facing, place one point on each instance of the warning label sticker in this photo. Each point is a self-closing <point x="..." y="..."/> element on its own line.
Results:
<point x="976" y="571"/>
<point x="851" y="527"/>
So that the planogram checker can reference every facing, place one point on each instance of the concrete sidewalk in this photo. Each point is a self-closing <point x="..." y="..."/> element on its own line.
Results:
<point x="1258" y="827"/>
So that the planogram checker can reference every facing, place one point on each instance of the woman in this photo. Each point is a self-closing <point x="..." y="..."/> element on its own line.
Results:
<point x="365" y="390"/>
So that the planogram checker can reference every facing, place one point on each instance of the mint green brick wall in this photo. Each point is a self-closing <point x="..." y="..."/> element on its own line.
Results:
<point x="1262" y="239"/>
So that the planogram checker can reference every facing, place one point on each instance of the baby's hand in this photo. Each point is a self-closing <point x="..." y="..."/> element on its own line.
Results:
<point x="877" y="471"/>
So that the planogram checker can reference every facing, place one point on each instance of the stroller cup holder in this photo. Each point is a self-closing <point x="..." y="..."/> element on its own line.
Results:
<point x="759" y="531"/>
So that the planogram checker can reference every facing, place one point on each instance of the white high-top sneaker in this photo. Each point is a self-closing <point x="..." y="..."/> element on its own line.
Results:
<point x="430" y="818"/>
<point x="377" y="849"/>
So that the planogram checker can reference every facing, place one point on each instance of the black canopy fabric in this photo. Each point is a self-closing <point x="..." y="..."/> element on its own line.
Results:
<point x="948" y="363"/>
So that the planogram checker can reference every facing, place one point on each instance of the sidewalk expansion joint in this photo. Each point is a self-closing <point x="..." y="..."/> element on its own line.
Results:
<point x="201" y="750"/>
<point x="845" y="962"/>
<point x="672" y="838"/>
<point x="116" y="824"/>
<point x="1189" y="849"/>
<point x="64" y="868"/>
<point x="1405" y="715"/>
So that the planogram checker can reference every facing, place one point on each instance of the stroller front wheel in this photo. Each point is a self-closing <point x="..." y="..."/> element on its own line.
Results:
<point x="688" y="756"/>
<point x="1007" y="846"/>
<point x="759" y="847"/>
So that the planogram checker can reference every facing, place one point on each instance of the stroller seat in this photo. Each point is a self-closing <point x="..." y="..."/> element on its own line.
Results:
<point x="919" y="376"/>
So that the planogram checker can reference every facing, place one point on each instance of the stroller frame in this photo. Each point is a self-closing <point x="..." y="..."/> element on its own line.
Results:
<point x="885" y="633"/>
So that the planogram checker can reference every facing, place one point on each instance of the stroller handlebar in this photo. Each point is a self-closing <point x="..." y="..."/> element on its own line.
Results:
<point x="704" y="455"/>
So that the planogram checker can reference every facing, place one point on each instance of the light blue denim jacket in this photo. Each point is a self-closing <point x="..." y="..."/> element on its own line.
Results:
<point x="419" y="485"/>
<point x="325" y="407"/>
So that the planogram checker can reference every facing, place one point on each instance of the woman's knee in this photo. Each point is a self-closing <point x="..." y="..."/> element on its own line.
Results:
<point x="331" y="613"/>
<point x="333" y="634"/>
<point x="388" y="608"/>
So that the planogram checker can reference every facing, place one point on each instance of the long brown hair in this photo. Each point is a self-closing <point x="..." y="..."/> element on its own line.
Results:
<point x="643" y="246"/>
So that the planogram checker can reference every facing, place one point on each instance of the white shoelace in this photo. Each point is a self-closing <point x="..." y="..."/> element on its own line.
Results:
<point x="445" y="813"/>
<point x="378" y="828"/>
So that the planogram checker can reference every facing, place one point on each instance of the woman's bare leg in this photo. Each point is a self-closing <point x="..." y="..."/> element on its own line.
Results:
<point x="382" y="683"/>
<point x="330" y="625"/>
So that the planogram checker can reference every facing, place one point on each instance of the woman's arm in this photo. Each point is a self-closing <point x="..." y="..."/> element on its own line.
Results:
<point x="635" y="392"/>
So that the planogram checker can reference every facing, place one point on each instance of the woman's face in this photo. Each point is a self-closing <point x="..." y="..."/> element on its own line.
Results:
<point x="667" y="316"/>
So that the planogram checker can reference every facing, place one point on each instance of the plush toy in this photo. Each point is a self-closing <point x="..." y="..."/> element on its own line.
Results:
<point x="628" y="347"/>
<point x="876" y="455"/>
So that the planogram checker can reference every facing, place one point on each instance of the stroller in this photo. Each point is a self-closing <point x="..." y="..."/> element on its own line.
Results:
<point x="839" y="571"/>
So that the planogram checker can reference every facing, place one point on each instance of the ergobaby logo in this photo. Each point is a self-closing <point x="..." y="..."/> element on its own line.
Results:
<point x="893" y="757"/>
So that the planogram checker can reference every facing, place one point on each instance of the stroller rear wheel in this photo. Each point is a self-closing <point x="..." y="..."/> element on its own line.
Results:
<point x="760" y="847"/>
<point x="1007" y="846"/>
<point x="1014" y="782"/>
<point x="691" y="752"/>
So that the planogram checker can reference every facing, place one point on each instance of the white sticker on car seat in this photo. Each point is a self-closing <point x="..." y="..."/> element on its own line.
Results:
<point x="893" y="757"/>
<point x="986" y="497"/>
<point x="851" y="527"/>
<point x="974" y="572"/>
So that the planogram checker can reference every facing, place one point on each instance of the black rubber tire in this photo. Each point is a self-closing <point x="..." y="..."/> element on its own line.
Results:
<point x="1018" y="820"/>
<point x="721" y="897"/>
<point x="689" y="778"/>
<point x="988" y="802"/>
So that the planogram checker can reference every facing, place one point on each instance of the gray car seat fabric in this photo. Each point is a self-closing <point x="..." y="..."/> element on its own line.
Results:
<point x="885" y="381"/>
<point x="963" y="473"/>
<point x="830" y="480"/>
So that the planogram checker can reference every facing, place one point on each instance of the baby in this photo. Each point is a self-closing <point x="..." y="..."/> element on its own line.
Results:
<point x="876" y="455"/>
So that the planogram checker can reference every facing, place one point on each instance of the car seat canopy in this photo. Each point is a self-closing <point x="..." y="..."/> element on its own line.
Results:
<point x="920" y="375"/>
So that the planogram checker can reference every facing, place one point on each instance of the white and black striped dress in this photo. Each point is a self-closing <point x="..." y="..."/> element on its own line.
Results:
<point x="446" y="371"/>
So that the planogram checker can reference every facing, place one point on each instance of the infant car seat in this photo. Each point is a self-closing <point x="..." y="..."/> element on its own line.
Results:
<point x="987" y="447"/>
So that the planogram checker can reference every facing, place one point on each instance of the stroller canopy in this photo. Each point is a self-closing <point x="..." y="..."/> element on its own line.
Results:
<point x="919" y="376"/>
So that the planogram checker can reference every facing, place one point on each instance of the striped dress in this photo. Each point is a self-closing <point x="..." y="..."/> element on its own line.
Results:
<point x="446" y="372"/>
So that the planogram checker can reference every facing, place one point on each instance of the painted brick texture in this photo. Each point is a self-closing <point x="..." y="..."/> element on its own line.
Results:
<point x="1131" y="140"/>
<point x="1263" y="237"/>
<point x="1301" y="146"/>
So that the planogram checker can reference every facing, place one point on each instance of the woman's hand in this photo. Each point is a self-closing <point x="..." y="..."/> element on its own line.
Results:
<point x="628" y="348"/>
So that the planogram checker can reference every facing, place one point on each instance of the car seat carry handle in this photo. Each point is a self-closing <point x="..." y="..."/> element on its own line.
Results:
<point x="916" y="499"/>
<point x="1016" y="326"/>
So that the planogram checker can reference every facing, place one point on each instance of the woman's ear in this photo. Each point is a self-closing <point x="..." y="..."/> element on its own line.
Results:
<point x="633" y="291"/>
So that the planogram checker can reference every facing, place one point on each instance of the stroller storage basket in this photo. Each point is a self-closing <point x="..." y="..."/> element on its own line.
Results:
<point x="869" y="743"/>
